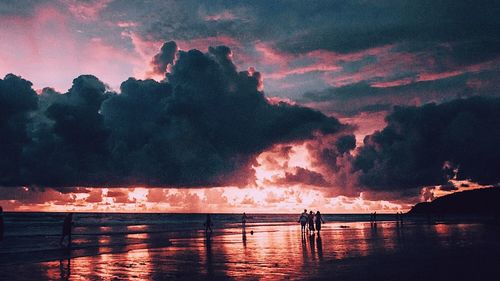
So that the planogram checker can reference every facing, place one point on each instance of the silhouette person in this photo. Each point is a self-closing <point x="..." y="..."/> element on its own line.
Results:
<point x="374" y="219"/>
<point x="319" y="220"/>
<point x="244" y="220"/>
<point x="208" y="224"/>
<point x="1" y="224"/>
<point x="310" y="219"/>
<point x="66" y="230"/>
<point x="303" y="221"/>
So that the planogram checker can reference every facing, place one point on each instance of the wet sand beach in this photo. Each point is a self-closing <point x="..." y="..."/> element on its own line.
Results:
<point x="343" y="251"/>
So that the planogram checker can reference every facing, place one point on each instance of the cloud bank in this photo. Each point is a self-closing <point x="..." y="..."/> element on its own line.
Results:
<point x="428" y="145"/>
<point x="203" y="126"/>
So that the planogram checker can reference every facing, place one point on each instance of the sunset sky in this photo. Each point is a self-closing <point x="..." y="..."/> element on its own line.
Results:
<point x="255" y="106"/>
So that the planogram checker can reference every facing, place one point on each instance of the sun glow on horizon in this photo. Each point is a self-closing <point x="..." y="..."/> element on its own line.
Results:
<point x="202" y="200"/>
<point x="269" y="194"/>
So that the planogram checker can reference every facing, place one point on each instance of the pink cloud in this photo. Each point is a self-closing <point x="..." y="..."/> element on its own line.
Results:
<point x="278" y="100"/>
<point x="437" y="76"/>
<point x="223" y="16"/>
<point x="125" y="24"/>
<point x="393" y="83"/>
<point x="271" y="56"/>
<point x="86" y="10"/>
<point x="474" y="68"/>
<point x="280" y="65"/>
<point x="321" y="61"/>
<point x="47" y="51"/>
<point x="387" y="64"/>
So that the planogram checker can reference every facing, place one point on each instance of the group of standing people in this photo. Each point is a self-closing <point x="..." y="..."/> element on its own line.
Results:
<point x="311" y="220"/>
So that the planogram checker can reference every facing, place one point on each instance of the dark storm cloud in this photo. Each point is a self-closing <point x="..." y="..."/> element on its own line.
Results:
<point x="356" y="25"/>
<point x="203" y="127"/>
<point x="471" y="28"/>
<point x="424" y="145"/>
<point x="345" y="144"/>
<point x="451" y="34"/>
<point x="17" y="100"/>
<point x="166" y="56"/>
<point x="70" y="143"/>
<point x="363" y="97"/>
<point x="206" y="123"/>
<point x="302" y="176"/>
<point x="441" y="35"/>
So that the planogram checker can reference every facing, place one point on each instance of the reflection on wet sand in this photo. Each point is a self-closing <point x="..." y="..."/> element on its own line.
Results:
<point x="270" y="252"/>
<point x="65" y="269"/>
<point x="208" y="255"/>
<point x="319" y="244"/>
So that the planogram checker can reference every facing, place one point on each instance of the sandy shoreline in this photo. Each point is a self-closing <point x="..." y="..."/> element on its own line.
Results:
<point x="359" y="252"/>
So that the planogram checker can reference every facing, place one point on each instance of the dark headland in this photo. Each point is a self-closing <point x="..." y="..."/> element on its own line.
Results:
<point x="477" y="202"/>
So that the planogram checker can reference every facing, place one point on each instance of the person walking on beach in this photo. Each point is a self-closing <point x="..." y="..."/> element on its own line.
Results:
<point x="66" y="230"/>
<point x="1" y="223"/>
<point x="319" y="221"/>
<point x="303" y="221"/>
<point x="244" y="220"/>
<point x="208" y="224"/>
<point x="310" y="219"/>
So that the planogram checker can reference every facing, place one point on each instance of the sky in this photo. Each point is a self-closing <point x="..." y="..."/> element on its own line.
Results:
<point x="256" y="106"/>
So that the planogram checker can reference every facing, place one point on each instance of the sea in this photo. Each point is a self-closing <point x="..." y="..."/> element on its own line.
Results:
<point x="36" y="235"/>
<point x="138" y="246"/>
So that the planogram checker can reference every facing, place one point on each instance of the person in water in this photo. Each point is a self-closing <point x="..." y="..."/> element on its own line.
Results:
<point x="1" y="224"/>
<point x="66" y="231"/>
<point x="208" y="224"/>
<point x="303" y="221"/>
<point x="244" y="220"/>
<point x="310" y="219"/>
<point x="319" y="221"/>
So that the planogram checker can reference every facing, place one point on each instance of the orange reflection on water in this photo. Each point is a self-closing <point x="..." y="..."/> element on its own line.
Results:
<point x="441" y="228"/>
<point x="278" y="251"/>
<point x="59" y="270"/>
<point x="138" y="265"/>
